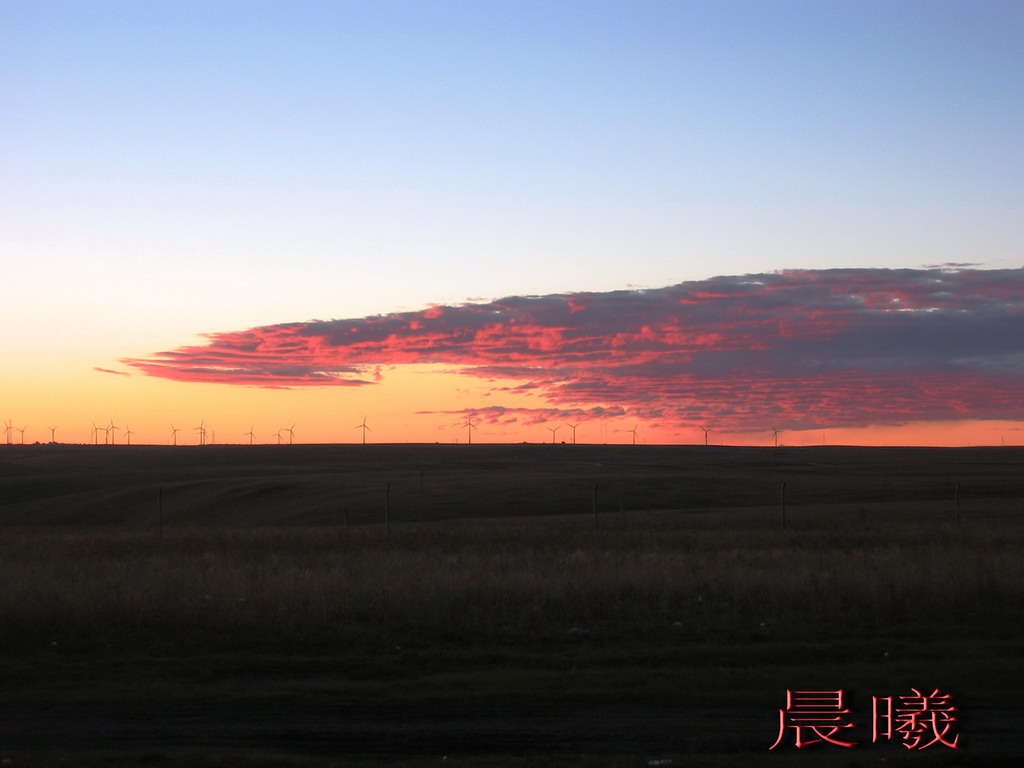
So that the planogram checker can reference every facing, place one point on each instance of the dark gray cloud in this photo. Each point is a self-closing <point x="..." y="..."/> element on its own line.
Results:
<point x="839" y="347"/>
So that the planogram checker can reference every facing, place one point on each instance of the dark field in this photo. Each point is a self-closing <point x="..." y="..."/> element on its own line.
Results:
<point x="230" y="606"/>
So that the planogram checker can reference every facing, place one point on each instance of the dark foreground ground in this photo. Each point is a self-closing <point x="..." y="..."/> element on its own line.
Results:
<point x="331" y="485"/>
<point x="236" y="606"/>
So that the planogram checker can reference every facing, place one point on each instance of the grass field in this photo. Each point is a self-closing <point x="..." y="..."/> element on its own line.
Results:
<point x="237" y="606"/>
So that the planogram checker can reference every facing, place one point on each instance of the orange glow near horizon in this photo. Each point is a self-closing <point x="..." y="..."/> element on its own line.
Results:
<point x="844" y="356"/>
<point x="414" y="404"/>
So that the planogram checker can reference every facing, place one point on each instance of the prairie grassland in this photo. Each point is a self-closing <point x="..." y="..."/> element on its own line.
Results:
<point x="243" y="635"/>
<point x="701" y="575"/>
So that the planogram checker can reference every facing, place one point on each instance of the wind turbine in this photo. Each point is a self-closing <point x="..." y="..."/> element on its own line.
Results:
<point x="470" y="426"/>
<point x="112" y="429"/>
<point x="706" y="430"/>
<point x="633" y="430"/>
<point x="250" y="434"/>
<point x="201" y="429"/>
<point x="174" y="434"/>
<point x="775" y="436"/>
<point x="22" y="430"/>
<point x="53" y="437"/>
<point x="128" y="433"/>
<point x="552" y="430"/>
<point x="278" y="436"/>
<point x="8" y="428"/>
<point x="95" y="434"/>
<point x="291" y="433"/>
<point x="573" y="428"/>
<point x="364" y="428"/>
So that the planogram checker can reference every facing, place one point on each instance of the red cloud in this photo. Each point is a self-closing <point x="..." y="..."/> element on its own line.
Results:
<point x="794" y="349"/>
<point x="496" y="414"/>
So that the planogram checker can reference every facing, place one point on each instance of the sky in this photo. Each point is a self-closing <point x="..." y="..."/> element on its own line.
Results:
<point x="666" y="222"/>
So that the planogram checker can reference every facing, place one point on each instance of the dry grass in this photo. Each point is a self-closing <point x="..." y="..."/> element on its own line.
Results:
<point x="699" y="574"/>
<point x="259" y="621"/>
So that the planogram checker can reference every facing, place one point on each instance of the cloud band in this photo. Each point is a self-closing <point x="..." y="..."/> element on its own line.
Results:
<point x="795" y="349"/>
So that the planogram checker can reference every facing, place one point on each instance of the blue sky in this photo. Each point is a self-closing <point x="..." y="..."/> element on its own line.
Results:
<point x="202" y="167"/>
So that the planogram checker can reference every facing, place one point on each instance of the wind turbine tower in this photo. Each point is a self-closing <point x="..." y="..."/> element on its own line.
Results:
<point x="552" y="430"/>
<point x="291" y="434"/>
<point x="53" y="434"/>
<point x="633" y="430"/>
<point x="470" y="426"/>
<point x="706" y="430"/>
<point x="128" y="434"/>
<point x="775" y="436"/>
<point x="250" y="434"/>
<point x="174" y="434"/>
<point x="364" y="428"/>
<point x="573" y="428"/>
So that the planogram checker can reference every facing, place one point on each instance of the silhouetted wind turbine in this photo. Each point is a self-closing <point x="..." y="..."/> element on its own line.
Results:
<point x="573" y="428"/>
<point x="775" y="436"/>
<point x="7" y="429"/>
<point x="291" y="433"/>
<point x="53" y="437"/>
<point x="22" y="430"/>
<point x="364" y="428"/>
<point x="278" y="436"/>
<point x="95" y="434"/>
<point x="112" y="429"/>
<point x="201" y="429"/>
<point x="250" y="434"/>
<point x="128" y="433"/>
<point x="552" y="430"/>
<point x="174" y="434"/>
<point x="706" y="430"/>
<point x="633" y="430"/>
<point x="470" y="426"/>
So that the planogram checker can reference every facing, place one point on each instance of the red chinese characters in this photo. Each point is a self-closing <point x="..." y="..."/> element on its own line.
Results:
<point x="813" y="716"/>
<point x="920" y="720"/>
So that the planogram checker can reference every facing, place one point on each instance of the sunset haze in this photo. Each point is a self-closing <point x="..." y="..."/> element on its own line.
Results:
<point x="799" y="219"/>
